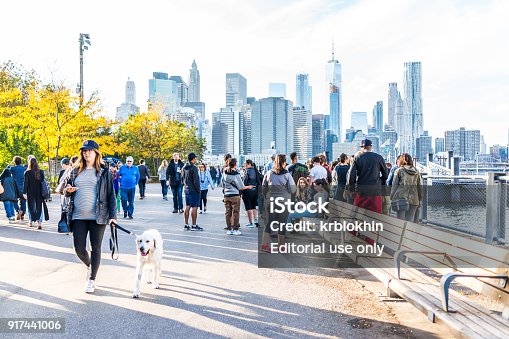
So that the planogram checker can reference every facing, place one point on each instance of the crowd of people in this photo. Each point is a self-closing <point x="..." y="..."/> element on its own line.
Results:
<point x="92" y="192"/>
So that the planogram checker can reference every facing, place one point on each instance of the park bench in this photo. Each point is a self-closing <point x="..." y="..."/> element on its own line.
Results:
<point x="412" y="250"/>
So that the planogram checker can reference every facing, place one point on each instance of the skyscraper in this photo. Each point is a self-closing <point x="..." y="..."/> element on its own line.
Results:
<point x="272" y="124"/>
<point x="302" y="132"/>
<point x="413" y="118"/>
<point x="378" y="116"/>
<point x="194" y="83"/>
<point x="333" y="74"/>
<point x="464" y="143"/>
<point x="303" y="94"/>
<point x="318" y="133"/>
<point x="128" y="107"/>
<point x="423" y="145"/>
<point x="360" y="121"/>
<point x="182" y="89"/>
<point x="392" y="102"/>
<point x="130" y="92"/>
<point x="277" y="90"/>
<point x="236" y="89"/>
<point x="163" y="93"/>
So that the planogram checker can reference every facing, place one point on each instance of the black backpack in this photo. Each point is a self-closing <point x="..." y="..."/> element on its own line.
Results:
<point x="299" y="171"/>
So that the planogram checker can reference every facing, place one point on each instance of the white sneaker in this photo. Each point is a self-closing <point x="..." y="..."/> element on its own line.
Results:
<point x="237" y="232"/>
<point x="90" y="288"/>
<point x="89" y="273"/>
<point x="12" y="220"/>
<point x="249" y="225"/>
<point x="229" y="232"/>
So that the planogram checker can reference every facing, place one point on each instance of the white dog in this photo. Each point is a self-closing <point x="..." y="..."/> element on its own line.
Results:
<point x="149" y="246"/>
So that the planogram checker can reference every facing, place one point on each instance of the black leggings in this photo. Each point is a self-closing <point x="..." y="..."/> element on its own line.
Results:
<point x="80" y="230"/>
<point x="203" y="198"/>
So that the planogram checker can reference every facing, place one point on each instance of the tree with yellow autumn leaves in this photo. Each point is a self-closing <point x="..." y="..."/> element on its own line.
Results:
<point x="48" y="121"/>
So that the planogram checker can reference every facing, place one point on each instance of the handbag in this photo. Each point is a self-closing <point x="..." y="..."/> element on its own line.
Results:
<point x="45" y="190"/>
<point x="400" y="205"/>
<point x="63" y="226"/>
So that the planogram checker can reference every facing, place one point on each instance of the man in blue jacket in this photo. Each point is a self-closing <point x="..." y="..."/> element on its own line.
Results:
<point x="129" y="175"/>
<point x="18" y="174"/>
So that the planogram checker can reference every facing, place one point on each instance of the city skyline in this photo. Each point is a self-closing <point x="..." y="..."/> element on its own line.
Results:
<point x="459" y="85"/>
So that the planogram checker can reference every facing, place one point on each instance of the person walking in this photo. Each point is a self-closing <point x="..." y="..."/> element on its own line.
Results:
<point x="116" y="184"/>
<point x="303" y="193"/>
<point x="129" y="177"/>
<point x="406" y="189"/>
<point x="317" y="171"/>
<point x="366" y="177"/>
<point x="92" y="207"/>
<point x="62" y="183"/>
<point x="18" y="174"/>
<point x="205" y="181"/>
<point x="32" y="192"/>
<point x="144" y="177"/>
<point x="232" y="185"/>
<point x="319" y="198"/>
<point x="10" y="194"/>
<point x="250" y="196"/>
<point x="213" y="175"/>
<point x="341" y="171"/>
<point x="161" y="171"/>
<point x="191" y="180"/>
<point x="174" y="178"/>
<point x="277" y="183"/>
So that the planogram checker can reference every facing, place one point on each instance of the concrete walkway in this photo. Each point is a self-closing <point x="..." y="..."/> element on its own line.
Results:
<point x="211" y="286"/>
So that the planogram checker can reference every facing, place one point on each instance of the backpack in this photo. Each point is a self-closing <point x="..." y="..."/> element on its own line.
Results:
<point x="299" y="171"/>
<point x="45" y="190"/>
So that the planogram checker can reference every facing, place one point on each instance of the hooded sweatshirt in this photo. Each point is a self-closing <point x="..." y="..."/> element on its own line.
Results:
<point x="407" y="185"/>
<point x="191" y="178"/>
<point x="232" y="184"/>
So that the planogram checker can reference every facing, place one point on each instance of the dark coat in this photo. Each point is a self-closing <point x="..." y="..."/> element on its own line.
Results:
<point x="171" y="173"/>
<point x="106" y="201"/>
<point x="191" y="178"/>
<point x="11" y="191"/>
<point x="32" y="189"/>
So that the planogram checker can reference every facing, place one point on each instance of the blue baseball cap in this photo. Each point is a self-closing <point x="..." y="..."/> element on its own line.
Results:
<point x="89" y="144"/>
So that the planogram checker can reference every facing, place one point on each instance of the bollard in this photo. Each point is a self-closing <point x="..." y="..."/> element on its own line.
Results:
<point x="456" y="189"/>
<point x="493" y="204"/>
<point x="424" y="205"/>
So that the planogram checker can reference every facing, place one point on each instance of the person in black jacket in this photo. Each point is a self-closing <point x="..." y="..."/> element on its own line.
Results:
<point x="32" y="192"/>
<point x="10" y="195"/>
<point x="93" y="206"/>
<point x="174" y="177"/>
<point x="191" y="179"/>
<point x="366" y="176"/>
<point x="144" y="176"/>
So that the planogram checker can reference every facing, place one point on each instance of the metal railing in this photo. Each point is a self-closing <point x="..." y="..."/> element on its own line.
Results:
<point x="474" y="205"/>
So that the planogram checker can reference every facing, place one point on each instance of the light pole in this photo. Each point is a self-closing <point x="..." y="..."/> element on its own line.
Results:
<point x="84" y="43"/>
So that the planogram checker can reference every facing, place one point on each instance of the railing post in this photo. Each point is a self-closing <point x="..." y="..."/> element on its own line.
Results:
<point x="503" y="210"/>
<point x="424" y="206"/>
<point x="493" y="204"/>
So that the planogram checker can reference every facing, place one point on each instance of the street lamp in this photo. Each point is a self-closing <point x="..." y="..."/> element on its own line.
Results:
<point x="84" y="43"/>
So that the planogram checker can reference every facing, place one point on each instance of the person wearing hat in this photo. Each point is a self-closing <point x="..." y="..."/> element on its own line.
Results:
<point x="191" y="180"/>
<point x="92" y="207"/>
<point x="366" y="176"/>
<point x="65" y="165"/>
<point x="129" y="175"/>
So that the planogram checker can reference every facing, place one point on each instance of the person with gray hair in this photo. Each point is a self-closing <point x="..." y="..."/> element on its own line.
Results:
<point x="129" y="175"/>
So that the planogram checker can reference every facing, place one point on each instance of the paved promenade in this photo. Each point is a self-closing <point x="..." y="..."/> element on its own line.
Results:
<point x="211" y="286"/>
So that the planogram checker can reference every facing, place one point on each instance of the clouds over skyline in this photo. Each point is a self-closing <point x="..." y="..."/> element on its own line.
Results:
<point x="461" y="44"/>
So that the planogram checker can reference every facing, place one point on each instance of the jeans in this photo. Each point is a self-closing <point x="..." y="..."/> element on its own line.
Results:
<point x="177" y="197"/>
<point x="80" y="230"/>
<point x="142" y="184"/>
<point x="408" y="215"/>
<point x="127" y="197"/>
<point x="21" y="204"/>
<point x="296" y="215"/>
<point x="9" y="208"/>
<point x="164" y="188"/>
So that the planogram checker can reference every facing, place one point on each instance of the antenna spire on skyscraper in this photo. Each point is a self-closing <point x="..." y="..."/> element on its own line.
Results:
<point x="332" y="48"/>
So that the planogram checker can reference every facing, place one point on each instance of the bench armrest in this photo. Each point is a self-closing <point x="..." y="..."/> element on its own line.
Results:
<point x="447" y="279"/>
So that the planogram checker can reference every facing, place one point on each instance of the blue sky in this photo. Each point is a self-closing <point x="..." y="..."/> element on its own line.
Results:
<point x="462" y="46"/>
